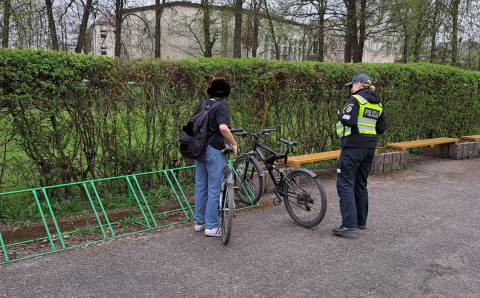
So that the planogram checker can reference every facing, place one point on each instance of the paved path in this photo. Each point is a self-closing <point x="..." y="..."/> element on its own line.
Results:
<point x="423" y="238"/>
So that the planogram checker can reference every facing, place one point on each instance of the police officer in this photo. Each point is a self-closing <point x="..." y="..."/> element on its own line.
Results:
<point x="361" y="121"/>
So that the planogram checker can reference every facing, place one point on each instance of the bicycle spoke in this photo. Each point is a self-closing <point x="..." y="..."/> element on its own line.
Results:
<point x="296" y="184"/>
<point x="248" y="180"/>
<point x="302" y="205"/>
<point x="305" y="199"/>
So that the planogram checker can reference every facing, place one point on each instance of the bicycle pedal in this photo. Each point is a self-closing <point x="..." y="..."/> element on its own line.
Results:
<point x="276" y="202"/>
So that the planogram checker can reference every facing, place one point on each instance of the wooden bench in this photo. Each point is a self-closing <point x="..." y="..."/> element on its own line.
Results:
<point x="474" y="138"/>
<point x="298" y="161"/>
<point x="422" y="143"/>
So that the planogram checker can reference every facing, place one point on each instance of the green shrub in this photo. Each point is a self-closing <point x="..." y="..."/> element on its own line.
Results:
<point x="76" y="117"/>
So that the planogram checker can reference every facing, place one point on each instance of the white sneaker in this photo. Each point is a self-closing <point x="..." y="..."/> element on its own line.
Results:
<point x="215" y="232"/>
<point x="199" y="228"/>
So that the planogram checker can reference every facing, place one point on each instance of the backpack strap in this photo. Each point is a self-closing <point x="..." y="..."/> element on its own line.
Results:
<point x="210" y="108"/>
<point x="213" y="105"/>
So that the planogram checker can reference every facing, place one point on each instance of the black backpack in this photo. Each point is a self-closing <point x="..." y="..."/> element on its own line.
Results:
<point x="194" y="135"/>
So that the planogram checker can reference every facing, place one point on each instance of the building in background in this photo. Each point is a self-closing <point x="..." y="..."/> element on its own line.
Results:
<point x="101" y="39"/>
<point x="182" y="36"/>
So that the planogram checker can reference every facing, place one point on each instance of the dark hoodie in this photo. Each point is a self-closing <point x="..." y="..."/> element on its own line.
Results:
<point x="349" y="117"/>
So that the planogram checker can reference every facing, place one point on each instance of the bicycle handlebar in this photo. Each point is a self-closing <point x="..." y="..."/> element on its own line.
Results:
<point x="268" y="130"/>
<point x="240" y="132"/>
<point x="227" y="150"/>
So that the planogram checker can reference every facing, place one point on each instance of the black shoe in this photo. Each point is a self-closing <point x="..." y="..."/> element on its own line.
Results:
<point x="362" y="227"/>
<point x="345" y="232"/>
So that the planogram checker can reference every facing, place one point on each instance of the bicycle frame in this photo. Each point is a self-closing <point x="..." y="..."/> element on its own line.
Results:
<point x="270" y="162"/>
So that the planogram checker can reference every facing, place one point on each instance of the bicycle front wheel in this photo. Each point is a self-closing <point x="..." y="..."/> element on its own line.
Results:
<point x="305" y="198"/>
<point x="248" y="179"/>
<point x="228" y="210"/>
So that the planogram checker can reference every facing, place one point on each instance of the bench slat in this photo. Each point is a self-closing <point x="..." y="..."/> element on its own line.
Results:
<point x="474" y="138"/>
<point x="421" y="143"/>
<point x="297" y="161"/>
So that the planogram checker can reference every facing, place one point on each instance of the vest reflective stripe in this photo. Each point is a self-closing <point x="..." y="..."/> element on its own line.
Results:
<point x="360" y="99"/>
<point x="367" y="121"/>
<point x="365" y="125"/>
<point x="342" y="130"/>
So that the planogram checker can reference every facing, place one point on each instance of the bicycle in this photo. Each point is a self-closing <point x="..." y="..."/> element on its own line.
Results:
<point x="298" y="188"/>
<point x="226" y="208"/>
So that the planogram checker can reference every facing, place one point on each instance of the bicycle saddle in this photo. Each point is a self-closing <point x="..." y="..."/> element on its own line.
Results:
<point x="289" y="143"/>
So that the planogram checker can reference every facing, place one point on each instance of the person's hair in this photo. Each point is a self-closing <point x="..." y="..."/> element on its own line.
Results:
<point x="218" y="87"/>
<point x="368" y="85"/>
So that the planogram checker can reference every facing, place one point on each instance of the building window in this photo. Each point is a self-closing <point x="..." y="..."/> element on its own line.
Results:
<point x="103" y="33"/>
<point x="103" y="51"/>
<point x="285" y="52"/>
<point x="315" y="47"/>
<point x="266" y="48"/>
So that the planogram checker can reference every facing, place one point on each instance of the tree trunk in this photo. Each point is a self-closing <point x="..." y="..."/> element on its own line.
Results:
<point x="321" y="30"/>
<point x="405" y="43"/>
<point x="421" y="14"/>
<point x="83" y="27"/>
<point x="158" y="27"/>
<point x="417" y="44"/>
<point x="7" y="11"/>
<point x="272" y="31"/>
<point x="206" y="29"/>
<point x="118" y="27"/>
<point x="256" y="26"/>
<point x="354" y="33"/>
<point x="350" y="40"/>
<point x="358" y="50"/>
<point x="321" y="40"/>
<point x="478" y="68"/>
<point x="454" y="11"/>
<point x="433" y="47"/>
<point x="51" y="24"/>
<point x="237" y="31"/>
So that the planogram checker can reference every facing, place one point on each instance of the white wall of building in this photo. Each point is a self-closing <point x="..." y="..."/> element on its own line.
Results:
<point x="102" y="39"/>
<point x="182" y="37"/>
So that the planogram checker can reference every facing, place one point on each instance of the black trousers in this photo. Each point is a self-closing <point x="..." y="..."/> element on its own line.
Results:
<point x="352" y="174"/>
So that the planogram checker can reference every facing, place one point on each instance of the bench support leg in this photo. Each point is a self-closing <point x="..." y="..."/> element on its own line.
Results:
<point x="463" y="150"/>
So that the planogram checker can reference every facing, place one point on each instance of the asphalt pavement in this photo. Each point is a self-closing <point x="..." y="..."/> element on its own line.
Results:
<point x="422" y="239"/>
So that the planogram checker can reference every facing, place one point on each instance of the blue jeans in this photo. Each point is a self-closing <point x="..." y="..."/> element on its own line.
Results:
<point x="209" y="173"/>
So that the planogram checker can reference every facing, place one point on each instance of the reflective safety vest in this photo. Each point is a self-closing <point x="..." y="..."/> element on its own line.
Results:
<point x="368" y="114"/>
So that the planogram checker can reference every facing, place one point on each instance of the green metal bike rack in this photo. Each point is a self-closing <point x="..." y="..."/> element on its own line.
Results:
<point x="59" y="233"/>
<point x="104" y="227"/>
<point x="181" y="209"/>
<point x="99" y="200"/>
<point x="246" y="188"/>
<point x="47" y="230"/>
<point x="147" y="206"/>
<point x="4" y="250"/>
<point x="180" y="188"/>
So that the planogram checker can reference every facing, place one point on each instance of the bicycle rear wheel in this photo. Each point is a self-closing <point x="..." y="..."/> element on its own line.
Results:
<point x="248" y="178"/>
<point x="228" y="210"/>
<point x="304" y="197"/>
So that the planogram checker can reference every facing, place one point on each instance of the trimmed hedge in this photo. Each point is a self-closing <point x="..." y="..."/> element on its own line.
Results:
<point x="77" y="116"/>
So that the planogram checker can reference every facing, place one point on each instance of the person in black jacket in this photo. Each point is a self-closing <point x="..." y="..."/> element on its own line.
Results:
<point x="210" y="167"/>
<point x="361" y="121"/>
